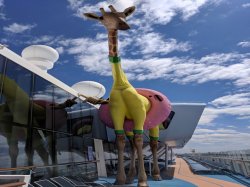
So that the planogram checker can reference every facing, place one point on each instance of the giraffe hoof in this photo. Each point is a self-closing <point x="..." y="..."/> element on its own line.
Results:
<point x="119" y="182"/>
<point x="143" y="184"/>
<point x="157" y="178"/>
<point x="129" y="180"/>
<point x="130" y="177"/>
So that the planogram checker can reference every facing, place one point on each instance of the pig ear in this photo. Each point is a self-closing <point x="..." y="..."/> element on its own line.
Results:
<point x="128" y="11"/>
<point x="91" y="16"/>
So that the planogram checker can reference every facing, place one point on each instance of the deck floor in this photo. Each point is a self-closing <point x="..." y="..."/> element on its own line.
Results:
<point x="183" y="172"/>
<point x="179" y="175"/>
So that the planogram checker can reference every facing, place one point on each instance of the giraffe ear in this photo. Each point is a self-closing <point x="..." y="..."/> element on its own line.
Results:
<point x="128" y="11"/>
<point x="91" y="16"/>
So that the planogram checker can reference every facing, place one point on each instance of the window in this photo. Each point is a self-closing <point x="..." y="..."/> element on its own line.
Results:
<point x="42" y="145"/>
<point x="61" y="113"/>
<point x="35" y="129"/>
<point x="42" y="109"/>
<point x="14" y="114"/>
<point x="16" y="92"/>
<point x="2" y="63"/>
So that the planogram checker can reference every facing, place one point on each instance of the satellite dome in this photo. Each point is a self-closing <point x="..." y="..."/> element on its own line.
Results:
<point x="90" y="88"/>
<point x="41" y="56"/>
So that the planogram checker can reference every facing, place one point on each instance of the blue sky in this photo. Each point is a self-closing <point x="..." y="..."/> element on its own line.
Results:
<point x="192" y="51"/>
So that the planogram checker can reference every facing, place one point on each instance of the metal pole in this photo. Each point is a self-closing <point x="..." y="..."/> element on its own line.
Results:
<point x="166" y="156"/>
<point x="171" y="155"/>
<point x="150" y="169"/>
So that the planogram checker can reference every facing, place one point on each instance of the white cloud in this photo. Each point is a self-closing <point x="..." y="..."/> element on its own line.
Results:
<point x="60" y="50"/>
<point x="153" y="11"/>
<point x="199" y="131"/>
<point x="4" y="41"/>
<point x="182" y="70"/>
<point x="220" y="58"/>
<point x="233" y="67"/>
<point x="1" y="3"/>
<point x="211" y="113"/>
<point x="248" y="127"/>
<point x="240" y="99"/>
<point x="46" y="40"/>
<point x="208" y="116"/>
<point x="237" y="105"/>
<point x="18" y="28"/>
<point x="81" y="7"/>
<point x="246" y="5"/>
<point x="84" y="50"/>
<point x="218" y="140"/>
<point x="193" y="33"/>
<point x="74" y="4"/>
<point x="232" y="126"/>
<point x="2" y="14"/>
<point x="154" y="44"/>
<point x="163" y="11"/>
<point x="244" y="43"/>
<point x="92" y="54"/>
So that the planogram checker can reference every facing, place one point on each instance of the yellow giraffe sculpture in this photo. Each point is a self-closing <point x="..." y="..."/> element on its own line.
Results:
<point x="126" y="103"/>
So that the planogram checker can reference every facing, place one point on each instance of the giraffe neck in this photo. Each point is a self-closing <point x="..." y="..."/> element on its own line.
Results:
<point x="113" y="43"/>
<point x="119" y="77"/>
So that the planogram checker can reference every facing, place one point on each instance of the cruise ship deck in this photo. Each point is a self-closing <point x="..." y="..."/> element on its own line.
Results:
<point x="65" y="142"/>
<point x="180" y="174"/>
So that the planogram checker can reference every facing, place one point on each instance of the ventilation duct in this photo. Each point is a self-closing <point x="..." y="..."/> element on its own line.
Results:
<point x="41" y="56"/>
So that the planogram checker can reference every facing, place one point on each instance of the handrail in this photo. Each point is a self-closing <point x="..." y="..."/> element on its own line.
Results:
<point x="17" y="168"/>
<point x="225" y="158"/>
<point x="46" y="166"/>
<point x="13" y="184"/>
<point x="222" y="169"/>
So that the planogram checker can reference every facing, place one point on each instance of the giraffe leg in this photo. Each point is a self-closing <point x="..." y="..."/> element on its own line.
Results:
<point x="44" y="155"/>
<point x="117" y="110"/>
<point x="154" y="136"/>
<point x="156" y="170"/>
<point x="13" y="150"/>
<point x="42" y="152"/>
<point x="132" y="170"/>
<point x="137" y="109"/>
<point x="120" y="177"/>
<point x="138" y="141"/>
<point x="142" y="177"/>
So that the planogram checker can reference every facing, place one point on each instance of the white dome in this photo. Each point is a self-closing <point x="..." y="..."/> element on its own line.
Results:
<point x="90" y="88"/>
<point x="41" y="55"/>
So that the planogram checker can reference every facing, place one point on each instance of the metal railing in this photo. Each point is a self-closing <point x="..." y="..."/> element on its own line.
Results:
<point x="235" y="163"/>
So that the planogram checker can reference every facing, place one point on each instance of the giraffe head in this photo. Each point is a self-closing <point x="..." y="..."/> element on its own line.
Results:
<point x="113" y="20"/>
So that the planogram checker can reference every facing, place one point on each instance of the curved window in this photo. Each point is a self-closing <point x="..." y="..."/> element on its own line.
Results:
<point x="37" y="125"/>
<point x="14" y="115"/>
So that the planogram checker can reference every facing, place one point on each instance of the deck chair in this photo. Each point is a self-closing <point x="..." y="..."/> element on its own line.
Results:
<point x="44" y="183"/>
<point x="76" y="182"/>
<point x="94" y="184"/>
<point x="84" y="183"/>
<point x="62" y="181"/>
